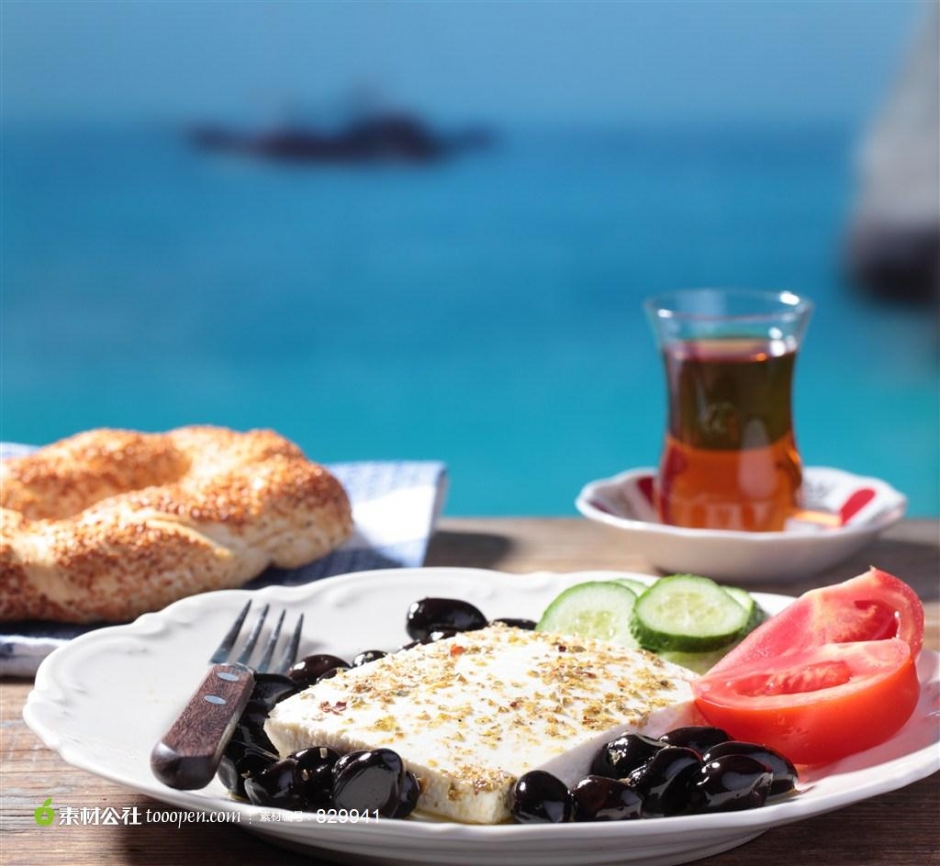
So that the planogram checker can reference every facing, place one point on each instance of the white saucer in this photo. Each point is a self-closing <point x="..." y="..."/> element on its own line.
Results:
<point x="863" y="506"/>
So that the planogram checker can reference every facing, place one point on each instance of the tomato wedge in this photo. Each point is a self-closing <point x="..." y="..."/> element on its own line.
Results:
<point x="816" y="704"/>
<point x="874" y="606"/>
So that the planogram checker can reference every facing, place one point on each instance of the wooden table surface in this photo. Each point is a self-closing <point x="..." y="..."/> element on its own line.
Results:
<point x="896" y="829"/>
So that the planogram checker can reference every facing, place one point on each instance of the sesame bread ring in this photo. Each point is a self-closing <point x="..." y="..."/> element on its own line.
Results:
<point x="109" y="524"/>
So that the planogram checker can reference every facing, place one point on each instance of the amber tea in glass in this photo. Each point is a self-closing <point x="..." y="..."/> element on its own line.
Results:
<point x="730" y="459"/>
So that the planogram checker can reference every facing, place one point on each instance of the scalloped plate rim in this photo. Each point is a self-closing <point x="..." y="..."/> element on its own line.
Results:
<point x="730" y="829"/>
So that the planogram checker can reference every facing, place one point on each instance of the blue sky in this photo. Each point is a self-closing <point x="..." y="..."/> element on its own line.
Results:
<point x="613" y="61"/>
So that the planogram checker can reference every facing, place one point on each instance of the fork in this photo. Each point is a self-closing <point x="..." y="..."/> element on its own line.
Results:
<point x="189" y="753"/>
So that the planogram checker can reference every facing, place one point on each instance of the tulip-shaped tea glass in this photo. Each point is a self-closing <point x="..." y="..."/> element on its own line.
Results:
<point x="730" y="459"/>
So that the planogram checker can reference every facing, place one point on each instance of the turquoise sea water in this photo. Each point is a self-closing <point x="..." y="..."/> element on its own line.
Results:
<point x="484" y="311"/>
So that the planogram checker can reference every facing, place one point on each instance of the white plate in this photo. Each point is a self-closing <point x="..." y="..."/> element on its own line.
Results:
<point x="104" y="699"/>
<point x="868" y="505"/>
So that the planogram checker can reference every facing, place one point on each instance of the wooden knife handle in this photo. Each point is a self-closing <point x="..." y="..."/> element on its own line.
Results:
<point x="189" y="754"/>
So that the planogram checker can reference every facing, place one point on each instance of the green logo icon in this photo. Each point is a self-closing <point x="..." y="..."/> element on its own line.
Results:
<point x="45" y="814"/>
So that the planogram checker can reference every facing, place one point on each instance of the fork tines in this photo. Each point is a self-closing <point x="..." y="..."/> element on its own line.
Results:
<point x="288" y="655"/>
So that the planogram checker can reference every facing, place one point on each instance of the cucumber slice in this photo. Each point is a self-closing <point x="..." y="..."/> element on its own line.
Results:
<point x="597" y="609"/>
<point x="755" y="613"/>
<point x="637" y="586"/>
<point x="741" y="596"/>
<point x="687" y="613"/>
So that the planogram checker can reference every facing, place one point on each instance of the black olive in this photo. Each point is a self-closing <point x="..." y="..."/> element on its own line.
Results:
<point x="229" y="776"/>
<point x="730" y="783"/>
<point x="368" y="656"/>
<point x="275" y="785"/>
<point x="620" y="757"/>
<point x="527" y="624"/>
<point x="270" y="689"/>
<point x="785" y="775"/>
<point x="699" y="738"/>
<point x="235" y="749"/>
<point x="442" y="614"/>
<point x="433" y="637"/>
<point x="368" y="781"/>
<point x="664" y="782"/>
<point x="408" y="798"/>
<point x="597" y="798"/>
<point x="233" y="771"/>
<point x="257" y="710"/>
<point x="343" y="760"/>
<point x="541" y="798"/>
<point x="332" y="672"/>
<point x="314" y="779"/>
<point x="250" y="730"/>
<point x="308" y="670"/>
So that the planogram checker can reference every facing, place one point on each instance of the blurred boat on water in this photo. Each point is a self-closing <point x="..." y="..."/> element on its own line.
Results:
<point x="380" y="138"/>
<point x="894" y="238"/>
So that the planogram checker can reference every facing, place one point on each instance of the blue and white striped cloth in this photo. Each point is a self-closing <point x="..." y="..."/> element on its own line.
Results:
<point x="395" y="506"/>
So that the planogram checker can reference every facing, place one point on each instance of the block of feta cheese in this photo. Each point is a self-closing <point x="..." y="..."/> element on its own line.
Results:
<point x="472" y="713"/>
